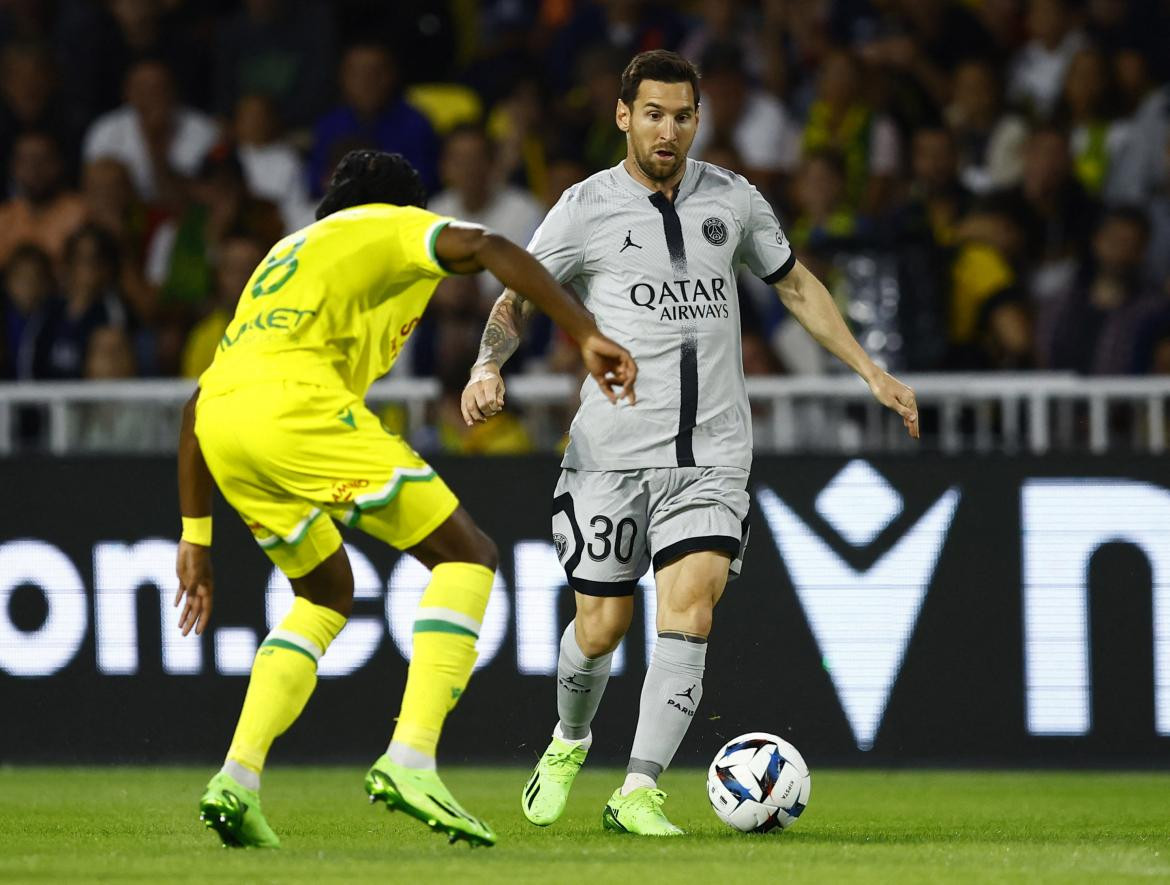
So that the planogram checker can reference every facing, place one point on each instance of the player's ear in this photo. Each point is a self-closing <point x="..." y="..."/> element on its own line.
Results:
<point x="622" y="116"/>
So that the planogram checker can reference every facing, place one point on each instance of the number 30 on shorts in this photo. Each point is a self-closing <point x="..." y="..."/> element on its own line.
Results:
<point x="608" y="538"/>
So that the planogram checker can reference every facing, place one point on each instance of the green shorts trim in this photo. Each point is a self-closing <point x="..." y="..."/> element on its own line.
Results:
<point x="296" y="535"/>
<point x="388" y="492"/>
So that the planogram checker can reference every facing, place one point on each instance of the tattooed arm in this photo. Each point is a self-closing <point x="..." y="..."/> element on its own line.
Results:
<point x="484" y="394"/>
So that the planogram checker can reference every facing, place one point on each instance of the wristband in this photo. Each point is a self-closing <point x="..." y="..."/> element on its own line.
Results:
<point x="197" y="530"/>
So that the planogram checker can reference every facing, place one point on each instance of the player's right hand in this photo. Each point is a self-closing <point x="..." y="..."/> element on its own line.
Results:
<point x="193" y="567"/>
<point x="483" y="396"/>
<point x="611" y="366"/>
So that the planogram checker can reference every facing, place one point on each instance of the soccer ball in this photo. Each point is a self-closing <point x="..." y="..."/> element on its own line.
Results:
<point x="758" y="782"/>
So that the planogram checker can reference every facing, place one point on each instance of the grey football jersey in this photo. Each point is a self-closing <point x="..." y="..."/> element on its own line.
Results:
<point x="659" y="276"/>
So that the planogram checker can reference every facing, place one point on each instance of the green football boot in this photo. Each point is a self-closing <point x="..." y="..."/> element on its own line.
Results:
<point x="547" y="791"/>
<point x="423" y="796"/>
<point x="233" y="811"/>
<point x="640" y="812"/>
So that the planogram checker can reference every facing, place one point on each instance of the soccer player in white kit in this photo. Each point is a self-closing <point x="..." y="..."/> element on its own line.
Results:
<point x="652" y="247"/>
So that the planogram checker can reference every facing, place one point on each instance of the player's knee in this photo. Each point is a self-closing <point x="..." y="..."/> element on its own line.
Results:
<point x="599" y="631"/>
<point x="691" y="612"/>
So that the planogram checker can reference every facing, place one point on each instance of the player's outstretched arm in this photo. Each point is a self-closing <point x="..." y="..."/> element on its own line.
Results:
<point x="193" y="565"/>
<point x="468" y="249"/>
<point x="810" y="302"/>
<point x="484" y="394"/>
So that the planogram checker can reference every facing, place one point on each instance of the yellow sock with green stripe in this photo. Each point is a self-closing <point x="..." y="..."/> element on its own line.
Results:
<point x="445" y="629"/>
<point x="284" y="675"/>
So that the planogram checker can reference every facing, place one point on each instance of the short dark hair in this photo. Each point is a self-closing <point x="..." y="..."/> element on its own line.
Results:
<point x="660" y="65"/>
<point x="368" y="176"/>
<point x="475" y="130"/>
<point x="109" y="252"/>
<point x="1127" y="213"/>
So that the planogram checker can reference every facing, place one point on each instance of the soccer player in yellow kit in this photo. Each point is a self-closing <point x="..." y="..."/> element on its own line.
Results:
<point x="279" y="421"/>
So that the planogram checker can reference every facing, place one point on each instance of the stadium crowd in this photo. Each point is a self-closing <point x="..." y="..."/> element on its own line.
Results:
<point x="985" y="184"/>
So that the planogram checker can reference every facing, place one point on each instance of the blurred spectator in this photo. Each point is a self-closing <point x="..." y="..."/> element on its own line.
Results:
<point x="282" y="49"/>
<point x="841" y="119"/>
<point x="1004" y="334"/>
<point x="916" y="43"/>
<point x="109" y="354"/>
<point x="924" y="231"/>
<point x="515" y="127"/>
<point x="1056" y="213"/>
<point x="728" y="23"/>
<point x="28" y="290"/>
<point x="1088" y="107"/>
<point x="936" y="199"/>
<point x="1158" y="206"/>
<point x="824" y="220"/>
<point x="1095" y="324"/>
<point x="90" y="300"/>
<point x="110" y="426"/>
<point x="625" y="26"/>
<point x="155" y="137"/>
<point x="182" y="253"/>
<point x="239" y="255"/>
<point x="563" y="173"/>
<point x="40" y="211"/>
<point x="989" y="253"/>
<point x="100" y="43"/>
<point x="273" y="169"/>
<point x="1039" y="68"/>
<point x="1142" y="169"/>
<point x="473" y="192"/>
<point x="112" y="204"/>
<point x="1131" y="73"/>
<point x="27" y="91"/>
<point x="824" y="225"/>
<point x="586" y="113"/>
<point x="754" y="121"/>
<point x="373" y="112"/>
<point x="990" y="141"/>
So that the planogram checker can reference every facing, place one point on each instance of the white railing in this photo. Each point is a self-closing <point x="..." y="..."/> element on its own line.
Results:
<point x="1036" y="413"/>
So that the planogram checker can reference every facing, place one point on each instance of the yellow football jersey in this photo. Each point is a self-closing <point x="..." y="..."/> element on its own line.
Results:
<point x="333" y="303"/>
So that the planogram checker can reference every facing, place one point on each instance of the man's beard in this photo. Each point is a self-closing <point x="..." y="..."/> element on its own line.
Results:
<point x="649" y="171"/>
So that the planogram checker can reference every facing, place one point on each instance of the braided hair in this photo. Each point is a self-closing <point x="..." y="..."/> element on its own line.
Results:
<point x="368" y="176"/>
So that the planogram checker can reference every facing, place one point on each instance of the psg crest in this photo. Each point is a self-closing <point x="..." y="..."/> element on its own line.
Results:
<point x="715" y="231"/>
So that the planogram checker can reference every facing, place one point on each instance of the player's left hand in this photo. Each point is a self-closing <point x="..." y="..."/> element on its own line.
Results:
<point x="196" y="582"/>
<point x="893" y="394"/>
<point x="611" y="366"/>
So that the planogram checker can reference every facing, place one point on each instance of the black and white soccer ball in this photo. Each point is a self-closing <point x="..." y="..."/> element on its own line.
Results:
<point x="758" y="782"/>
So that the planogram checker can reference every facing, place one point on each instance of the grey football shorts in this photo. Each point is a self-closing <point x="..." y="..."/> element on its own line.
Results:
<point x="609" y="527"/>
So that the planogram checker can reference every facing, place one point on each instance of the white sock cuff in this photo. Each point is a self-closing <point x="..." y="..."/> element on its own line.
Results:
<point x="585" y="742"/>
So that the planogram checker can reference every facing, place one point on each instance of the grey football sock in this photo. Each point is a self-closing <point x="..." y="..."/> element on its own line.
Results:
<point x="580" y="683"/>
<point x="670" y="696"/>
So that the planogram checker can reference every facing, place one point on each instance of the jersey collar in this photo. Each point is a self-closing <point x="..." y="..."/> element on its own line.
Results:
<point x="635" y="187"/>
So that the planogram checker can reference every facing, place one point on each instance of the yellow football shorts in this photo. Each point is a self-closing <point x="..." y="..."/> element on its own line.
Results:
<point x="291" y="458"/>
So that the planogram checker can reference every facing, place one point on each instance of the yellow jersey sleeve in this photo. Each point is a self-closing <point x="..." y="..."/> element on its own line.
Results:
<point x="333" y="303"/>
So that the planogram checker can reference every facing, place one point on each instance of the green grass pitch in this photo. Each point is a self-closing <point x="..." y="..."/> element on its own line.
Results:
<point x="139" y="824"/>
